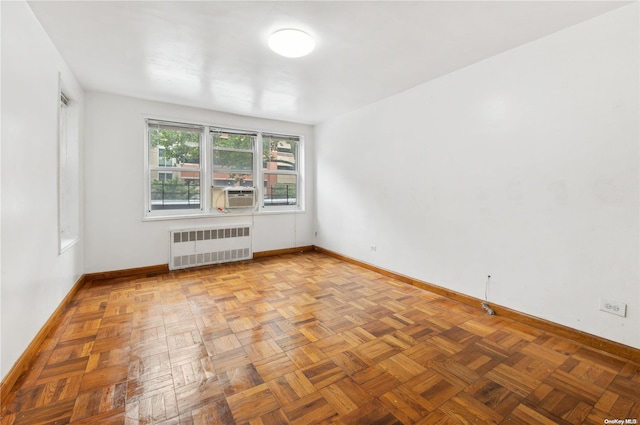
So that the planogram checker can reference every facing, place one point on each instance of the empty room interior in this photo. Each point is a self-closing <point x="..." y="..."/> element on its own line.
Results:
<point x="408" y="213"/>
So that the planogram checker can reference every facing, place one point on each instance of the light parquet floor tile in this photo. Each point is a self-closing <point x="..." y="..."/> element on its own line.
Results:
<point x="306" y="339"/>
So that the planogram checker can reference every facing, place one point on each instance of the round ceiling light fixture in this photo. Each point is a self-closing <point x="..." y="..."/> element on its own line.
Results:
<point x="291" y="43"/>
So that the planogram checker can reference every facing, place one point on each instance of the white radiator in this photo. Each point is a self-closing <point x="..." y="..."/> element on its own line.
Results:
<point x="209" y="245"/>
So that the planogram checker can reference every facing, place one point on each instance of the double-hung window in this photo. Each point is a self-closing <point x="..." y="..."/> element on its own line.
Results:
<point x="175" y="167"/>
<point x="279" y="170"/>
<point x="233" y="158"/>
<point x="189" y="174"/>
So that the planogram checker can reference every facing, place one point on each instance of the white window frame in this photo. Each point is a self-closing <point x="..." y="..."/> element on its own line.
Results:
<point x="206" y="174"/>
<point x="68" y="170"/>
<point x="252" y="151"/>
<point x="297" y="173"/>
<point x="168" y="213"/>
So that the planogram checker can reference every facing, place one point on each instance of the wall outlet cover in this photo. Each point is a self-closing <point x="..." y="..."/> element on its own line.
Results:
<point x="613" y="307"/>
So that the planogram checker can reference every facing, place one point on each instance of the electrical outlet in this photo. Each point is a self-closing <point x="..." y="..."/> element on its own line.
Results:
<point x="374" y="248"/>
<point x="613" y="307"/>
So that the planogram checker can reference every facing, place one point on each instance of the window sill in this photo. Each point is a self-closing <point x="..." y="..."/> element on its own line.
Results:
<point x="223" y="214"/>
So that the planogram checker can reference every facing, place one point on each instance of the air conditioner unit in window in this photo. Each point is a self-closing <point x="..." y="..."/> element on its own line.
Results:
<point x="239" y="197"/>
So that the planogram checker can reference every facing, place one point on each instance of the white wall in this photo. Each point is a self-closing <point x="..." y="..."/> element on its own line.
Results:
<point x="34" y="277"/>
<point x="116" y="235"/>
<point x="524" y="166"/>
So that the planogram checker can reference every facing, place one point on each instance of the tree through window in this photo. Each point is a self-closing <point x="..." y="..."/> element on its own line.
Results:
<point x="174" y="166"/>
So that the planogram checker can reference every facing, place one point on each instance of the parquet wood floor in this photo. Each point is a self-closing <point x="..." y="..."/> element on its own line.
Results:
<point x="306" y="339"/>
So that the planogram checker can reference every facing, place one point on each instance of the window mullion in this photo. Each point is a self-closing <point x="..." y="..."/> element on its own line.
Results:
<point x="257" y="164"/>
<point x="219" y="169"/>
<point x="176" y="169"/>
<point x="283" y="172"/>
<point x="207" y="170"/>
<point x="217" y="148"/>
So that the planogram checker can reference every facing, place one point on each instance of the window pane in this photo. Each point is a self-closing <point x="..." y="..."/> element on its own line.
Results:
<point x="280" y="189"/>
<point x="68" y="175"/>
<point x="175" y="190"/>
<point x="232" y="141"/>
<point x="173" y="147"/>
<point x="279" y="154"/>
<point x="232" y="161"/>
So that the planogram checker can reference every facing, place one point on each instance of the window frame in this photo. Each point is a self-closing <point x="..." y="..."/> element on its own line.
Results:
<point x="296" y="172"/>
<point x="206" y="169"/>
<point x="252" y="151"/>
<point x="68" y="170"/>
<point x="149" y="169"/>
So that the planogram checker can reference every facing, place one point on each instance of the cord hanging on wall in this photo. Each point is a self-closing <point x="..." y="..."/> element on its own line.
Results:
<point x="485" y="304"/>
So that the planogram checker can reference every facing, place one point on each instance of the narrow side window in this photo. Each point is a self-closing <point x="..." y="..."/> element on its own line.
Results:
<point x="68" y="174"/>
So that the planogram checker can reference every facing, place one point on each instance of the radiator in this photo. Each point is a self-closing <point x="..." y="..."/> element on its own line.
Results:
<point x="209" y="245"/>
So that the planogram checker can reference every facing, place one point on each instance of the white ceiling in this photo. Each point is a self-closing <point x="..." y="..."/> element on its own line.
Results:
<point x="214" y="54"/>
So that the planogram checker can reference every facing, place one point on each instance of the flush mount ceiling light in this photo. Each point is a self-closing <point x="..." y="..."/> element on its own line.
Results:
<point x="291" y="43"/>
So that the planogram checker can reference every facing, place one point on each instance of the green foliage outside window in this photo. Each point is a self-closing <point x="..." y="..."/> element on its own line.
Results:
<point x="233" y="155"/>
<point x="180" y="146"/>
<point x="233" y="141"/>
